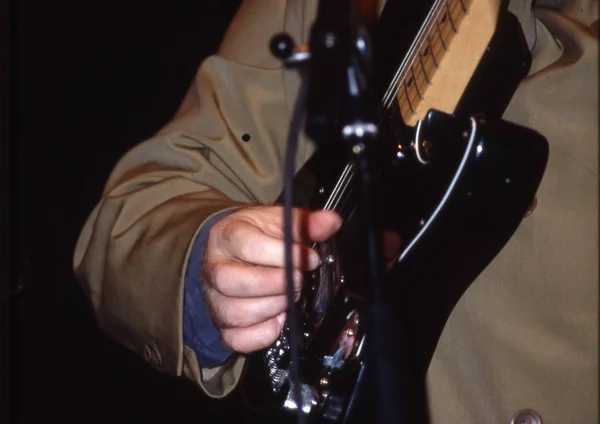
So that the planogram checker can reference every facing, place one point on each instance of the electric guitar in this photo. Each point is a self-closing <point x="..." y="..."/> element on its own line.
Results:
<point x="456" y="181"/>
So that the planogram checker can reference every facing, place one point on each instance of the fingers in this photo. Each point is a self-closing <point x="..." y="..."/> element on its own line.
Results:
<point x="251" y="245"/>
<point x="307" y="225"/>
<point x="316" y="226"/>
<point x="233" y="312"/>
<point x="244" y="274"/>
<point x="256" y="337"/>
<point x="235" y="279"/>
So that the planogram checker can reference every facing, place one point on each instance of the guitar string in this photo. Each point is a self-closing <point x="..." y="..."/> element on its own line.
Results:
<point x="393" y="85"/>
<point x="431" y="24"/>
<point x="434" y="26"/>
<point x="336" y="197"/>
<point x="431" y="47"/>
<point x="425" y="28"/>
<point x="415" y="53"/>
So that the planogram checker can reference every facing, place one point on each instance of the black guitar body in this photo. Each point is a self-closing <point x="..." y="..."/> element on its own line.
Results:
<point x="486" y="203"/>
<point x="455" y="205"/>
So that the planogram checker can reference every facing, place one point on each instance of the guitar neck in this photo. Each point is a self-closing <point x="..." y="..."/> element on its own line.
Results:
<point x="443" y="54"/>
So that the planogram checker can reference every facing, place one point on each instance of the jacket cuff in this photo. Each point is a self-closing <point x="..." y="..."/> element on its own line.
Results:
<point x="199" y="333"/>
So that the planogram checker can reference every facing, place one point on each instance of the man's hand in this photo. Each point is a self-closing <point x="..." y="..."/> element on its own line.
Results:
<point x="244" y="270"/>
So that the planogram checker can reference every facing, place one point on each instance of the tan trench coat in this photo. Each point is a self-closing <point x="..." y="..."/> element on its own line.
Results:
<point x="524" y="336"/>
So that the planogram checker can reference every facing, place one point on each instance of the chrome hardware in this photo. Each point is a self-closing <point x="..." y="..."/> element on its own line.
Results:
<point x="347" y="337"/>
<point x="336" y="360"/>
<point x="310" y="399"/>
<point x="275" y="357"/>
<point x="328" y="281"/>
<point x="420" y="146"/>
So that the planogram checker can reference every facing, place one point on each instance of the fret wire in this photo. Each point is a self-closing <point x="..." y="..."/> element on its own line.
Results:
<point x="437" y="25"/>
<point x="435" y="62"/>
<point x="429" y="23"/>
<point x="422" y="82"/>
<point x="416" y="83"/>
<point x="405" y="111"/>
<point x="447" y="32"/>
<point x="438" y="50"/>
<point x="412" y="98"/>
<point x="433" y="23"/>
<point x="407" y="101"/>
<point x="410" y="101"/>
<point x="408" y="98"/>
<point x="432" y="45"/>
<point x="424" y="70"/>
<point x="457" y="11"/>
<point x="450" y="17"/>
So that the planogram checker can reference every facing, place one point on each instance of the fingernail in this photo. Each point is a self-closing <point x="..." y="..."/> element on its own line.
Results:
<point x="339" y="225"/>
<point x="314" y="260"/>
<point x="281" y="319"/>
<point x="297" y="296"/>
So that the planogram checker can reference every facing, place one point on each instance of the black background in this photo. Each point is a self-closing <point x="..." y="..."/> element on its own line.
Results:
<point x="88" y="81"/>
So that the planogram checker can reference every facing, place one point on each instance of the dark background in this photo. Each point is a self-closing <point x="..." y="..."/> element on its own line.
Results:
<point x="88" y="80"/>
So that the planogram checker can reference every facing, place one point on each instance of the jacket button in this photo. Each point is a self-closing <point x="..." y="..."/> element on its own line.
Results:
<point x="531" y="207"/>
<point x="526" y="416"/>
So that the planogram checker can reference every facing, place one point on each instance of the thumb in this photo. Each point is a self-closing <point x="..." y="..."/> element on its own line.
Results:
<point x="321" y="225"/>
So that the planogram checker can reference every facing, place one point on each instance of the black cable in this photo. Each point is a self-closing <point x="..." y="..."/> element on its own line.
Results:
<point x="382" y="356"/>
<point x="289" y="171"/>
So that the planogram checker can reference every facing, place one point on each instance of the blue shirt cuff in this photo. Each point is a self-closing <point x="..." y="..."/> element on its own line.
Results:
<point x="199" y="333"/>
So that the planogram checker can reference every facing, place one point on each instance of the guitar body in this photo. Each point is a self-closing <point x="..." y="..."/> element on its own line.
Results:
<point x="455" y="204"/>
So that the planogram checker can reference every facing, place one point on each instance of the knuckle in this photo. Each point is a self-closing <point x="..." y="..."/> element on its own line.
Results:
<point x="231" y="313"/>
<point x="224" y="230"/>
<point x="245" y="246"/>
<point x="214" y="271"/>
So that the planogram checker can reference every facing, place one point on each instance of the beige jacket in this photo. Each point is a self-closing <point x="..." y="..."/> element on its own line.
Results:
<point x="525" y="334"/>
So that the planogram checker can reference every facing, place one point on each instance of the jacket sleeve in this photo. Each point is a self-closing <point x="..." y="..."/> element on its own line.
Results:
<point x="132" y="253"/>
